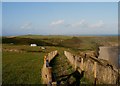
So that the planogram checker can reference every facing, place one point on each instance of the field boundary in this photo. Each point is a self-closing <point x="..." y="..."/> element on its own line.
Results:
<point x="47" y="70"/>
<point x="94" y="69"/>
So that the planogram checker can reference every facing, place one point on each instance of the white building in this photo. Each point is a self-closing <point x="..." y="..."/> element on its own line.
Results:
<point x="33" y="45"/>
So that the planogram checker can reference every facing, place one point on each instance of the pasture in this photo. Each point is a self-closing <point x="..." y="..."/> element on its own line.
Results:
<point x="21" y="63"/>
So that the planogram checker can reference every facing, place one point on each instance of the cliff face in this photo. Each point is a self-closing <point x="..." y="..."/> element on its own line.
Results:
<point x="110" y="54"/>
<point x="94" y="67"/>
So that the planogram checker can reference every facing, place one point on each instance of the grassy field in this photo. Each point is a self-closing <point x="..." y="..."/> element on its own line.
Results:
<point x="22" y="67"/>
<point x="21" y="63"/>
<point x="45" y="37"/>
<point x="76" y="42"/>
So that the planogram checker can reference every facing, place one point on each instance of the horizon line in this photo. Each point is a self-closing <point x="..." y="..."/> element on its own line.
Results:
<point x="65" y="35"/>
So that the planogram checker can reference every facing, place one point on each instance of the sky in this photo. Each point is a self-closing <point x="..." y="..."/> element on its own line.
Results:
<point x="0" y="19"/>
<point x="60" y="0"/>
<point x="59" y="18"/>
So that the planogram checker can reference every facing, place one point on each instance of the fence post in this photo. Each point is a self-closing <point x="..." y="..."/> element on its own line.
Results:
<point x="95" y="73"/>
<point x="45" y="60"/>
<point x="75" y="63"/>
<point x="82" y="64"/>
<point x="50" y="75"/>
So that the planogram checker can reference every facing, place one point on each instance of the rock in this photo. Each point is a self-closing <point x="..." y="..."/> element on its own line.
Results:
<point x="105" y="72"/>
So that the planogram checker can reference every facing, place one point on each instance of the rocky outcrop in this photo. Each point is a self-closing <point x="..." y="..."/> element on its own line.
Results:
<point x="110" y="54"/>
<point x="94" y="68"/>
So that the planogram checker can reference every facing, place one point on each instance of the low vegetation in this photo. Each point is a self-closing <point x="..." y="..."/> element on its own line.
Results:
<point x="21" y="63"/>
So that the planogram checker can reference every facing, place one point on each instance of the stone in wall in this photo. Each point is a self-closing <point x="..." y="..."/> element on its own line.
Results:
<point x="106" y="74"/>
<point x="51" y="55"/>
<point x="47" y="71"/>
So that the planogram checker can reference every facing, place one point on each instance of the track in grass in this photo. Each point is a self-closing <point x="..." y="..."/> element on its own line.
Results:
<point x="64" y="73"/>
<point x="61" y="69"/>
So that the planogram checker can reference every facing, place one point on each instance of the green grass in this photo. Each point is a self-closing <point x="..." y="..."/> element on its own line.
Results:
<point x="22" y="68"/>
<point x="82" y="43"/>
<point x="60" y="63"/>
<point x="25" y="67"/>
<point x="61" y="66"/>
<point x="45" y="37"/>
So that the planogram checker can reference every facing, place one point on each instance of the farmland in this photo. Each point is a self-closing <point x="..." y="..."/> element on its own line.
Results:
<point x="21" y="63"/>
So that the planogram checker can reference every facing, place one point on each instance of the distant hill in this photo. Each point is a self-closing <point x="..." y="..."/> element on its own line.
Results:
<point x="25" y="41"/>
<point x="75" y="42"/>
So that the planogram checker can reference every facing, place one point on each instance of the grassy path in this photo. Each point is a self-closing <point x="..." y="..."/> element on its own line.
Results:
<point x="61" y="68"/>
<point x="64" y="73"/>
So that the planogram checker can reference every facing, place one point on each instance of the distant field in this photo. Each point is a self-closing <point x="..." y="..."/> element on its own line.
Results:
<point x="43" y="37"/>
<point x="76" y="42"/>
<point x="22" y="63"/>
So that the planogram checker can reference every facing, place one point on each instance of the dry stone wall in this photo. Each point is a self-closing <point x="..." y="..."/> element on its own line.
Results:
<point x="94" y="68"/>
<point x="47" y="70"/>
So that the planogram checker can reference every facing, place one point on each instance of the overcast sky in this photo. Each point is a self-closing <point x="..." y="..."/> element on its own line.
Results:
<point x="63" y="18"/>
